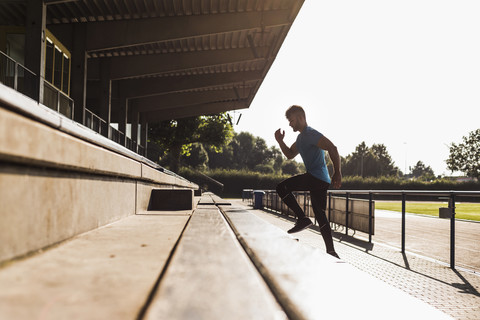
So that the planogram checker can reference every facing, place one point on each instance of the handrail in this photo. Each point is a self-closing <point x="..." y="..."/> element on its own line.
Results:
<point x="59" y="123"/>
<point x="32" y="109"/>
<point x="451" y="195"/>
<point x="58" y="101"/>
<point x="408" y="192"/>
<point x="9" y="58"/>
<point x="210" y="179"/>
<point x="22" y="87"/>
<point x="57" y="104"/>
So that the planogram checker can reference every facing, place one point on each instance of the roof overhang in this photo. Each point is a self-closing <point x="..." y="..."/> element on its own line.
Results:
<point x="176" y="58"/>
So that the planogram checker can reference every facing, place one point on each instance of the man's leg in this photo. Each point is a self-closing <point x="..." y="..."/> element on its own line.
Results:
<point x="284" y="190"/>
<point x="319" y="204"/>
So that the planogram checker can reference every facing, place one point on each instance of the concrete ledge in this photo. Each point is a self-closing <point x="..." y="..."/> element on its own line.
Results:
<point x="171" y="199"/>
<point x="107" y="273"/>
<point x="209" y="198"/>
<point x="40" y="207"/>
<point x="35" y="135"/>
<point x="26" y="141"/>
<point x="152" y="174"/>
<point x="210" y="277"/>
<point x="41" y="114"/>
<point x="55" y="184"/>
<point x="310" y="284"/>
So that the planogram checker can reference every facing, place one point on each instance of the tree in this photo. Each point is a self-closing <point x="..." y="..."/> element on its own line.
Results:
<point x="197" y="158"/>
<point x="465" y="157"/>
<point x="355" y="163"/>
<point x="423" y="172"/>
<point x="224" y="159"/>
<point x="384" y="165"/>
<point x="290" y="167"/>
<point x="369" y="162"/>
<point x="278" y="159"/>
<point x="242" y="146"/>
<point x="176" y="137"/>
<point x="248" y="152"/>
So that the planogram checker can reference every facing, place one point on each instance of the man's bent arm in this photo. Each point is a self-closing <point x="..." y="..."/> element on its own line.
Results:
<point x="291" y="152"/>
<point x="326" y="144"/>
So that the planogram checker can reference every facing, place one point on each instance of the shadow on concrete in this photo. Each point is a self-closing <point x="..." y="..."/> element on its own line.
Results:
<point x="367" y="247"/>
<point x="465" y="287"/>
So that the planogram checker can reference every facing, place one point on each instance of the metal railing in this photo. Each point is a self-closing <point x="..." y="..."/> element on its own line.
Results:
<point x="95" y="123"/>
<point x="57" y="100"/>
<point x="16" y="76"/>
<point x="371" y="195"/>
<point x="116" y="135"/>
<point x="141" y="150"/>
<point x="273" y="201"/>
<point x="99" y="125"/>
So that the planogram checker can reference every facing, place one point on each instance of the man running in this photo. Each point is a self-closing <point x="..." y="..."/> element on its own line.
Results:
<point x="311" y="145"/>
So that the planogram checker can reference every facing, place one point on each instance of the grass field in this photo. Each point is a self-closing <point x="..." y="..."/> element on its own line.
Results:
<point x="467" y="211"/>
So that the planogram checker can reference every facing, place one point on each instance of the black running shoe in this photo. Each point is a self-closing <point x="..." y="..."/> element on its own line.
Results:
<point x="300" y="225"/>
<point x="333" y="253"/>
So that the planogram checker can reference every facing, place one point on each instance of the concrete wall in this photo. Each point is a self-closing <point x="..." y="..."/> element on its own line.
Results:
<point x="54" y="185"/>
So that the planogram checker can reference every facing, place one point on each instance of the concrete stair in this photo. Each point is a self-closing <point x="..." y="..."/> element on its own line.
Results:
<point x="212" y="262"/>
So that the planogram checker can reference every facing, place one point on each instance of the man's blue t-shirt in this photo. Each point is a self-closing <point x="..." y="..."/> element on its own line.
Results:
<point x="312" y="155"/>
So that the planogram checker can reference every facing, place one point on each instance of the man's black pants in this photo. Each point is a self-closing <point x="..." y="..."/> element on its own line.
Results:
<point x="318" y="195"/>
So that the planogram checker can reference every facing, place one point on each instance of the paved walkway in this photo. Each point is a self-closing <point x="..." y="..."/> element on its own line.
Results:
<point x="430" y="236"/>
<point x="455" y="292"/>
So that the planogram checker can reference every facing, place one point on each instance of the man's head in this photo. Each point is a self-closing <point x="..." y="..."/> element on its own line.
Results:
<point x="296" y="118"/>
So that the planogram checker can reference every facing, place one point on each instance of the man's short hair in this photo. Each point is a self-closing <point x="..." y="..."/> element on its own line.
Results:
<point x="294" y="110"/>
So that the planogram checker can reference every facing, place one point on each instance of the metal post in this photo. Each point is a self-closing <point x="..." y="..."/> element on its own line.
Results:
<point x="269" y="200"/>
<point x="58" y="101"/>
<point x="266" y="199"/>
<point x="452" y="231"/>
<point x="370" y="216"/>
<point x="403" y="222"/>
<point x="15" y="76"/>
<point x="276" y="202"/>
<point x="73" y="110"/>
<point x="346" y="214"/>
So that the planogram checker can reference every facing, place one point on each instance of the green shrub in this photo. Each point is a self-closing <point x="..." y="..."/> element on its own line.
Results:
<point x="234" y="181"/>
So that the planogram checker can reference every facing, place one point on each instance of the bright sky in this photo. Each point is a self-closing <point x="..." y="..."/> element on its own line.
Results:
<point x="402" y="73"/>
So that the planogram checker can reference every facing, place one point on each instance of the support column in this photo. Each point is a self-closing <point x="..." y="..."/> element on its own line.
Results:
<point x="134" y="119"/>
<point x="79" y="71"/>
<point x="35" y="44"/>
<point x="119" y="115"/>
<point x="105" y="94"/>
<point x="144" y="133"/>
<point x="122" y="112"/>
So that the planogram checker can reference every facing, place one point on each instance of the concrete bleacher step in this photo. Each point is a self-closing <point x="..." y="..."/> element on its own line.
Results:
<point x="211" y="277"/>
<point x="220" y="262"/>
<point x="209" y="198"/>
<point x="310" y="284"/>
<point x="107" y="273"/>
